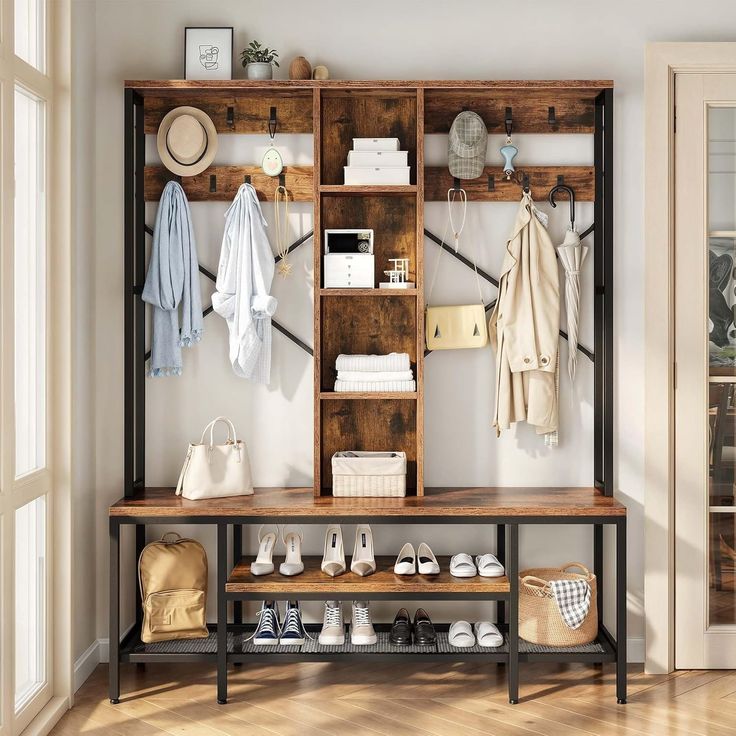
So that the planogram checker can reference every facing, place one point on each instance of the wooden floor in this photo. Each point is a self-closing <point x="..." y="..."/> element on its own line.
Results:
<point x="440" y="699"/>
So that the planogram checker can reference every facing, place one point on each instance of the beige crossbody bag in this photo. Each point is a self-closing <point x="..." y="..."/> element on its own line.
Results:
<point x="462" y="326"/>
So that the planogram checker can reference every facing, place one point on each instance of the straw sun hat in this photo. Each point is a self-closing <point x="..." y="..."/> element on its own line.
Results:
<point x="186" y="141"/>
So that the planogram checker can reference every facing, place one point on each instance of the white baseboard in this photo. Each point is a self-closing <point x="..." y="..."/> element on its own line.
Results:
<point x="636" y="650"/>
<point x="86" y="663"/>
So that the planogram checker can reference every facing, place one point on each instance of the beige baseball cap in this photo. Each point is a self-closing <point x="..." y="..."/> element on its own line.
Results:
<point x="186" y="141"/>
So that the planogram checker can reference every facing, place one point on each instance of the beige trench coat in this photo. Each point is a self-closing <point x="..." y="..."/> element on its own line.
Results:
<point x="524" y="327"/>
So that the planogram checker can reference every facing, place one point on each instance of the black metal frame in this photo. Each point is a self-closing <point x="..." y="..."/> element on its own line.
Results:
<point x="508" y="551"/>
<point x="507" y="527"/>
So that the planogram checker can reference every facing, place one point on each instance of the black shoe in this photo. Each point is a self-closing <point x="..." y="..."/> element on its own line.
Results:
<point x="424" y="633"/>
<point x="400" y="635"/>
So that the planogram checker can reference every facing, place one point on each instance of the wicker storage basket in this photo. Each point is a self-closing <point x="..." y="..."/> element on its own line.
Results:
<point x="360" y="474"/>
<point x="540" y="620"/>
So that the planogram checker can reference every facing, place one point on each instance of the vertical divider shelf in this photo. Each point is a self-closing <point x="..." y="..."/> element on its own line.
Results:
<point x="367" y="321"/>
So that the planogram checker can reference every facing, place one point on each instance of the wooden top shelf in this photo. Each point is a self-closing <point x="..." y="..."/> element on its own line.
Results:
<point x="489" y="503"/>
<point x="154" y="86"/>
<point x="383" y="395"/>
<point x="383" y="581"/>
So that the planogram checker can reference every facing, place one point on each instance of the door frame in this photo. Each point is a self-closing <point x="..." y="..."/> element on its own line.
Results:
<point x="663" y="62"/>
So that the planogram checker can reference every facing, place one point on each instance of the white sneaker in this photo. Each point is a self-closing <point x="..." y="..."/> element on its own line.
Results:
<point x="361" y="628"/>
<point x="333" y="626"/>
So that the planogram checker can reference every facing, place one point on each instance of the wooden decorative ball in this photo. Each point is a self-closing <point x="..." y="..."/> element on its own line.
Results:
<point x="300" y="68"/>
<point x="321" y="72"/>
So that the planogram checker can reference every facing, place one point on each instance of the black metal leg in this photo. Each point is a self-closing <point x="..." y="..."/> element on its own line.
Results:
<point x="621" y="610"/>
<point x="221" y="613"/>
<point x="501" y="554"/>
<point x="598" y="567"/>
<point x="237" y="554"/>
<point x="512" y="570"/>
<point x="114" y="666"/>
<point x="140" y="543"/>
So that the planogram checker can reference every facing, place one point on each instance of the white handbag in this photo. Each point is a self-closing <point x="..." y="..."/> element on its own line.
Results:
<point x="216" y="471"/>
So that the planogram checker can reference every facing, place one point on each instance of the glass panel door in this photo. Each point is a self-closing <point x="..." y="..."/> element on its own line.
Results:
<point x="721" y="410"/>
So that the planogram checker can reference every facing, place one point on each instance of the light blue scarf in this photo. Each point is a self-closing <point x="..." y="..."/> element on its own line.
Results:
<point x="173" y="278"/>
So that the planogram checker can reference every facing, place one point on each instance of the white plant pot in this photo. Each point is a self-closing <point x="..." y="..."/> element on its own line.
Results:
<point x="259" y="70"/>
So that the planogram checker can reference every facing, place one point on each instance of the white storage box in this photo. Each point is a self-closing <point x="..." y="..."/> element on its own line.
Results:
<point x="349" y="271"/>
<point x="360" y="474"/>
<point x="378" y="158"/>
<point x="376" y="144"/>
<point x="387" y="175"/>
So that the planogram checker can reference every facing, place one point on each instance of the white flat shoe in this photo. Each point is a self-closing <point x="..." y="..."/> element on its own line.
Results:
<point x="293" y="564"/>
<point x="363" y="562"/>
<point x="263" y="564"/>
<point x="461" y="566"/>
<point x="426" y="561"/>
<point x="333" y="558"/>
<point x="487" y="634"/>
<point x="489" y="566"/>
<point x="406" y="562"/>
<point x="461" y="635"/>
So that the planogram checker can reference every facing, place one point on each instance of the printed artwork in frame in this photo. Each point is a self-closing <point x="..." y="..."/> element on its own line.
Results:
<point x="208" y="53"/>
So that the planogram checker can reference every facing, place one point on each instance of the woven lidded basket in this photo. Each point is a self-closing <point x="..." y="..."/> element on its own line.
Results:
<point x="540" y="620"/>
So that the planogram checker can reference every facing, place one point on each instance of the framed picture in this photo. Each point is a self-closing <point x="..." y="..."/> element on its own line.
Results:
<point x="208" y="53"/>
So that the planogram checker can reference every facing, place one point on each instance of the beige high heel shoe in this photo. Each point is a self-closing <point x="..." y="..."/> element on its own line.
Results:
<point x="363" y="562"/>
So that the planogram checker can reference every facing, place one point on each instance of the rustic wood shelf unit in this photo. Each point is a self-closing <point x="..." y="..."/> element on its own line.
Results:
<point x="369" y="321"/>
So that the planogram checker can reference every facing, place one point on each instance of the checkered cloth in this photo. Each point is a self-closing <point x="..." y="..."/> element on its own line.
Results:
<point x="573" y="600"/>
<point x="467" y="146"/>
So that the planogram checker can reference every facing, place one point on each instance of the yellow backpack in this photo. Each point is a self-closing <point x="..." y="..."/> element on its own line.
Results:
<point x="172" y="574"/>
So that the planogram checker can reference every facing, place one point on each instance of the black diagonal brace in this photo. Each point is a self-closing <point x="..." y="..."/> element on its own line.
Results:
<point x="484" y="275"/>
<point x="276" y="325"/>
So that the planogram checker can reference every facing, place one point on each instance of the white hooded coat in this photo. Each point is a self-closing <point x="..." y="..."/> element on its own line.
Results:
<point x="244" y="278"/>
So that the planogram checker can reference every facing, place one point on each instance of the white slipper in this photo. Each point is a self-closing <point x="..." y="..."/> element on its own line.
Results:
<point x="426" y="561"/>
<point x="461" y="566"/>
<point x="488" y="634"/>
<point x="461" y="635"/>
<point x="489" y="566"/>
<point x="406" y="562"/>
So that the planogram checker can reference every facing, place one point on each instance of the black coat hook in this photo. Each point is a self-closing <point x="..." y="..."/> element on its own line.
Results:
<point x="525" y="183"/>
<point x="570" y="194"/>
<point x="551" y="116"/>
<point x="509" y="121"/>
<point x="230" y="118"/>
<point x="282" y="180"/>
<point x="456" y="184"/>
<point x="213" y="183"/>
<point x="272" y="123"/>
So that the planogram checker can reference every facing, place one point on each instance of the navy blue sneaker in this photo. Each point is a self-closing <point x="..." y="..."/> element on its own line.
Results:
<point x="268" y="629"/>
<point x="293" y="632"/>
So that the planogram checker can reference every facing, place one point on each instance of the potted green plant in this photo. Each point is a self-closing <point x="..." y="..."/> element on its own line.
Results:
<point x="259" y="61"/>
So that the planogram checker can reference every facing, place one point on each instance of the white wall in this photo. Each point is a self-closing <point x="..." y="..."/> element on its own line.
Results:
<point x="139" y="39"/>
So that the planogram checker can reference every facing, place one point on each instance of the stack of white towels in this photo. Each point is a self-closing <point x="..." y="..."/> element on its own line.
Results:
<point x="390" y="372"/>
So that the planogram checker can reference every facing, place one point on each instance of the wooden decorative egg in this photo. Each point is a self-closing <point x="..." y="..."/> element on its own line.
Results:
<point x="321" y="72"/>
<point x="300" y="68"/>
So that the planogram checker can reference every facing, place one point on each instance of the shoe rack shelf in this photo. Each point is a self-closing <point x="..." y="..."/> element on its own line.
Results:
<point x="368" y="321"/>
<point x="313" y="584"/>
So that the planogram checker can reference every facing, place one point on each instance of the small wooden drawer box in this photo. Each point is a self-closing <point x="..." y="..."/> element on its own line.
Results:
<point x="349" y="271"/>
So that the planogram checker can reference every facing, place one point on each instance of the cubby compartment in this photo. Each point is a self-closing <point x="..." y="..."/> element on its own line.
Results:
<point x="393" y="219"/>
<point x="363" y="325"/>
<point x="365" y="424"/>
<point x="365" y="114"/>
